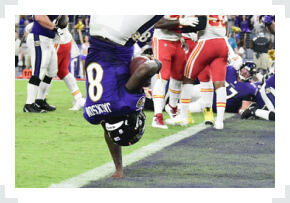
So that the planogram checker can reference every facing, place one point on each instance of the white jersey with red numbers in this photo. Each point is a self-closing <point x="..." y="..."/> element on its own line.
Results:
<point x="166" y="34"/>
<point x="215" y="27"/>
<point x="121" y="29"/>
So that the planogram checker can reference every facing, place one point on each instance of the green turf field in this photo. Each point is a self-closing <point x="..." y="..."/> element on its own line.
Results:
<point x="59" y="145"/>
<point x="56" y="146"/>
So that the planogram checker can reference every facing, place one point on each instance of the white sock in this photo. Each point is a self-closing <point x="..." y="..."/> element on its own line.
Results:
<point x="174" y="92"/>
<point x="71" y="83"/>
<point x="196" y="106"/>
<point x="43" y="90"/>
<point x="221" y="99"/>
<point x="185" y="99"/>
<point x="207" y="92"/>
<point x="31" y="93"/>
<point x="158" y="95"/>
<point x="262" y="114"/>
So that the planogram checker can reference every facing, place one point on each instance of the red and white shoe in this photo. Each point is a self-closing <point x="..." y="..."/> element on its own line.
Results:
<point x="158" y="121"/>
<point x="172" y="111"/>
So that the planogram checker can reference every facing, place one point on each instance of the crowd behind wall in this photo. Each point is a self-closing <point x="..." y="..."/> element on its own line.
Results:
<point x="243" y="29"/>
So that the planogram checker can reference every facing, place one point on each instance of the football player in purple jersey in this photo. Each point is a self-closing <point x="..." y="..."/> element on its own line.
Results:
<point x="238" y="86"/>
<point x="115" y="98"/>
<point x="43" y="61"/>
<point x="264" y="103"/>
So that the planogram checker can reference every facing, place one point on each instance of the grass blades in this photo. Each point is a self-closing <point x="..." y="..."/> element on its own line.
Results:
<point x="58" y="145"/>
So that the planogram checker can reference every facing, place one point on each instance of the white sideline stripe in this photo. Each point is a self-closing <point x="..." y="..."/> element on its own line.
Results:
<point x="109" y="168"/>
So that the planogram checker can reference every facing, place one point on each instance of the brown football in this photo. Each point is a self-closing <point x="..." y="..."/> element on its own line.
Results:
<point x="136" y="62"/>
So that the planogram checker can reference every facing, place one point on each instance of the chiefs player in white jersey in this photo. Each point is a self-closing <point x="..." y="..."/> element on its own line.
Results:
<point x="65" y="48"/>
<point x="167" y="47"/>
<point x="212" y="52"/>
<point x="206" y="85"/>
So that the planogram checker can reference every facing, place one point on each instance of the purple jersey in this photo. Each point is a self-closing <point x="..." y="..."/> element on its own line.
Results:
<point x="107" y="67"/>
<point x="270" y="84"/>
<point x="145" y="38"/>
<point x="39" y="30"/>
<point x="236" y="91"/>
<point x="258" y="98"/>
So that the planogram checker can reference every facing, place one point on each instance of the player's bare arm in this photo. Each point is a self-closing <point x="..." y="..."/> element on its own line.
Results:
<point x="116" y="153"/>
<point x="143" y="73"/>
<point x="166" y="24"/>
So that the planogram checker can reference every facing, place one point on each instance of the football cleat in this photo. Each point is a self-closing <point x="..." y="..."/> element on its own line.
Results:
<point x="189" y="118"/>
<point x="177" y="121"/>
<point x="208" y="116"/>
<point x="78" y="104"/>
<point x="250" y="111"/>
<point x="42" y="104"/>
<point x="158" y="121"/>
<point x="33" y="108"/>
<point x="172" y="111"/>
<point x="219" y="125"/>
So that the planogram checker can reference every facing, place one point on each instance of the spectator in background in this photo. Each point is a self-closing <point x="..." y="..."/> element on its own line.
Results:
<point x="27" y="55"/>
<point x="241" y="50"/>
<point x="23" y="52"/>
<point x="232" y="42"/>
<point x="243" y="21"/>
<point x="261" y="45"/>
<point x="79" y="23"/>
<point x="84" y="51"/>
<point x="87" y="23"/>
<point x="29" y="18"/>
<point x="257" y="23"/>
<point x="17" y="48"/>
<point x="79" y="26"/>
<point x="21" y="25"/>
<point x="231" y="21"/>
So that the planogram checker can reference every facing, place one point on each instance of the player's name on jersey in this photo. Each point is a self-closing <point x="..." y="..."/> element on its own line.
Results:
<point x="98" y="109"/>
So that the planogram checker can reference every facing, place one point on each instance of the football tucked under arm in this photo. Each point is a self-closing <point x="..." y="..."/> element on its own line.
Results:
<point x="136" y="62"/>
<point x="142" y="68"/>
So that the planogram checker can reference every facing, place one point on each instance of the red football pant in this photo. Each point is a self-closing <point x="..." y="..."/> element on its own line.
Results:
<point x="172" y="56"/>
<point x="212" y="53"/>
<point x="63" y="59"/>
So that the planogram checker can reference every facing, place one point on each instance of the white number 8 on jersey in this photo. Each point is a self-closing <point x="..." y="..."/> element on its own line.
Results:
<point x="95" y="88"/>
